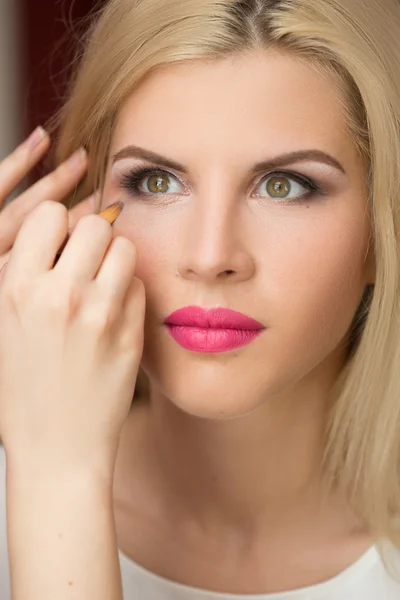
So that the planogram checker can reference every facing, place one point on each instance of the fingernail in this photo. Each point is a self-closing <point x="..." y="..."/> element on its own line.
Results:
<point x="77" y="159"/>
<point x="36" y="137"/>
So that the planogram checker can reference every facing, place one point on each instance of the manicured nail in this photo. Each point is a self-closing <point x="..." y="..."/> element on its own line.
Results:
<point x="36" y="137"/>
<point x="77" y="159"/>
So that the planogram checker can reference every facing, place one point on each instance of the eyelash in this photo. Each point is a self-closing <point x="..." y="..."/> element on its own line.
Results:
<point x="130" y="182"/>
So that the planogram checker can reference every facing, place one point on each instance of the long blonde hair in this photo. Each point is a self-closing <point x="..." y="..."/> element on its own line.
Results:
<point x="357" y="43"/>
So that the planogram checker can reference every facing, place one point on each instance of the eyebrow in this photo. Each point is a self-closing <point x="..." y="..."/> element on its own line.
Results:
<point x="273" y="163"/>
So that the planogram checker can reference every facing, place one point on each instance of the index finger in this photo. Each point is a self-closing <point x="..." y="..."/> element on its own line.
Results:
<point x="85" y="207"/>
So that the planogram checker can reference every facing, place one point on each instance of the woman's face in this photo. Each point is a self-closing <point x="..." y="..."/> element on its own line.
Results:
<point x="284" y="243"/>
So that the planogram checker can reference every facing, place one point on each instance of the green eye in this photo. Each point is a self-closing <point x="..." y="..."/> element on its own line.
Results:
<point x="287" y="186"/>
<point x="158" y="184"/>
<point x="279" y="187"/>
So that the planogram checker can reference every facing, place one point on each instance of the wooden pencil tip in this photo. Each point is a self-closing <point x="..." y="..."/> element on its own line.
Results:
<point x="112" y="212"/>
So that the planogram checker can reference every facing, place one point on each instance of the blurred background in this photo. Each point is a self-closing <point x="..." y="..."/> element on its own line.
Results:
<point x="37" y="43"/>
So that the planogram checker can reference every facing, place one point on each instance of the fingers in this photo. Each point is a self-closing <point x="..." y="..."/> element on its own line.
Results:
<point x="82" y="209"/>
<point x="116" y="272"/>
<point x="38" y="240"/>
<point x="4" y="259"/>
<point x="120" y="295"/>
<point x="18" y="164"/>
<point x="45" y="230"/>
<point x="52" y="187"/>
<point x="132" y="313"/>
<point x="2" y="271"/>
<point x="85" y="250"/>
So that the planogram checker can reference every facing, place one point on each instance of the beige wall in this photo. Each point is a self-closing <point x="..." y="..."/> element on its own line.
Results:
<point x="11" y="109"/>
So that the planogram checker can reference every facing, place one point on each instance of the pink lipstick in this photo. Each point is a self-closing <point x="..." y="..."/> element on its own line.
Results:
<point x="214" y="330"/>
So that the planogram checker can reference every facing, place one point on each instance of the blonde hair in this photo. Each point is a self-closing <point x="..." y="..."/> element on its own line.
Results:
<point x="356" y="42"/>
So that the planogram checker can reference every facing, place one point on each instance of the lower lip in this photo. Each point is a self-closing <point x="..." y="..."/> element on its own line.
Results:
<point x="198" y="339"/>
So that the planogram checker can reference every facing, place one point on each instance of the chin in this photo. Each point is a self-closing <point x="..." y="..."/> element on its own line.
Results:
<point x="210" y="392"/>
<point x="218" y="386"/>
<point x="217" y="408"/>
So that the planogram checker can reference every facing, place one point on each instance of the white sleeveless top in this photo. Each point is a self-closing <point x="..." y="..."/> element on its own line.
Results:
<point x="366" y="579"/>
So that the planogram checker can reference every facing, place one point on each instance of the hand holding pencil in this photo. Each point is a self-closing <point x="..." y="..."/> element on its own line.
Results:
<point x="71" y="343"/>
<point x="56" y="186"/>
<point x="72" y="320"/>
<point x="72" y="327"/>
<point x="110" y="214"/>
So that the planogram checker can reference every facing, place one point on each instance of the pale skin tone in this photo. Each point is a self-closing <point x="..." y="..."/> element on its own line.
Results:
<point x="217" y="479"/>
<point x="233" y="441"/>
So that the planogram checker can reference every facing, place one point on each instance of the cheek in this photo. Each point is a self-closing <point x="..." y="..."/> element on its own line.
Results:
<point x="156" y="237"/>
<point x="316" y="280"/>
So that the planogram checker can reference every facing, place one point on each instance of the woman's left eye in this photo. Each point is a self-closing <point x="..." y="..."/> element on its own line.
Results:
<point x="282" y="186"/>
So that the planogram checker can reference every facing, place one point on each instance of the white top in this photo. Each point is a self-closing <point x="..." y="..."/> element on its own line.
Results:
<point x="366" y="579"/>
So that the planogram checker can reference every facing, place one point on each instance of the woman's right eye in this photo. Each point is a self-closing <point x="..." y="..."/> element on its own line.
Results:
<point x="150" y="182"/>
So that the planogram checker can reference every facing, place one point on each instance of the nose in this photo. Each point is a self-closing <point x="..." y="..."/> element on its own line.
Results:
<point x="215" y="244"/>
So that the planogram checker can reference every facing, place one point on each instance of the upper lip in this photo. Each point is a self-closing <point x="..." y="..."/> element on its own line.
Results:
<point x="214" y="318"/>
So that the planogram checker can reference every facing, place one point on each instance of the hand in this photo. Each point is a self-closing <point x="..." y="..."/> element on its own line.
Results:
<point x="53" y="187"/>
<point x="71" y="343"/>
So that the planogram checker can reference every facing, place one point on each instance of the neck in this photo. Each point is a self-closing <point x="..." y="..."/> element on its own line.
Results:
<point x="255" y="472"/>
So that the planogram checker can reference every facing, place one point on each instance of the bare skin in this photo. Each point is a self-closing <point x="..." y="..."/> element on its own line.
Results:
<point x="218" y="481"/>
<point x="40" y="513"/>
<point x="54" y="186"/>
<point x="310" y="544"/>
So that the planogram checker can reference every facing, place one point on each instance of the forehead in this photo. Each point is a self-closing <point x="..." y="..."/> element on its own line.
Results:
<point x="256" y="100"/>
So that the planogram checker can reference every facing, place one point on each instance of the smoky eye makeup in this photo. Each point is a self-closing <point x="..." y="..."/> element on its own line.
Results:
<point x="133" y="180"/>
<point x="151" y="183"/>
<point x="145" y="181"/>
